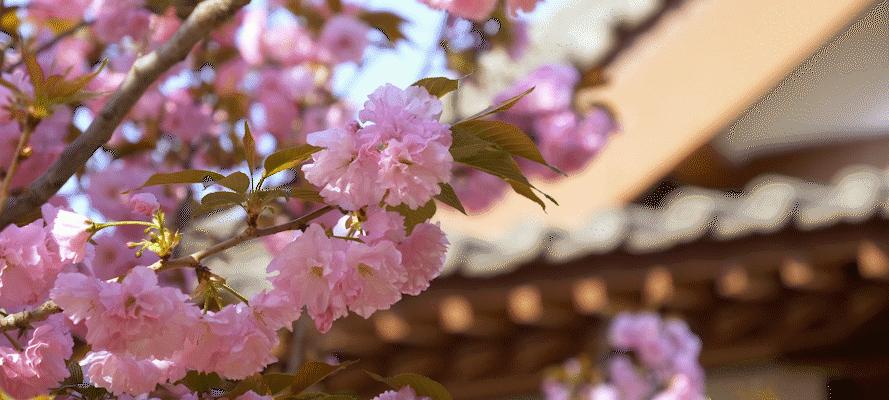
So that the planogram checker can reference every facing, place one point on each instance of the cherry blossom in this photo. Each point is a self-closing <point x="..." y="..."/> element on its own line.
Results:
<point x="123" y="374"/>
<point x="405" y="393"/>
<point x="144" y="204"/>
<point x="41" y="365"/>
<point x="135" y="316"/>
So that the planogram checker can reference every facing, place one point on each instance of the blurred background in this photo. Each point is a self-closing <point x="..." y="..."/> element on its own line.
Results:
<point x="746" y="193"/>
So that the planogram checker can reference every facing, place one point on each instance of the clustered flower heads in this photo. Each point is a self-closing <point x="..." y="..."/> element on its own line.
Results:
<point x="652" y="359"/>
<point x="400" y="155"/>
<point x="142" y="333"/>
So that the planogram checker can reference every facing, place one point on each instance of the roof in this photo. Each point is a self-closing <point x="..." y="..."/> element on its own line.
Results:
<point x="766" y="205"/>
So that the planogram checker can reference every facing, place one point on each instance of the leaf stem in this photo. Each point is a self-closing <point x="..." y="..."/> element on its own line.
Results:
<point x="234" y="293"/>
<point x="102" y="225"/>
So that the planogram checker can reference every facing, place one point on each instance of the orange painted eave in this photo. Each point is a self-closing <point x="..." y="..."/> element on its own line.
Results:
<point x="693" y="74"/>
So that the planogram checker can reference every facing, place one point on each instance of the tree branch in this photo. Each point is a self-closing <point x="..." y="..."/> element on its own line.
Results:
<point x="148" y="68"/>
<point x="24" y="318"/>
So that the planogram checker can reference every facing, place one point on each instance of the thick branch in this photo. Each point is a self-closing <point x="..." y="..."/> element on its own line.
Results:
<point x="42" y="312"/>
<point x="148" y="68"/>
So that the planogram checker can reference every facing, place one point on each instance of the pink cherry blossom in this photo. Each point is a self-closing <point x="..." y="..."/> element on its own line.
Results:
<point x="144" y="204"/>
<point x="288" y="43"/>
<point x="275" y="309"/>
<point x="66" y="10"/>
<point x="477" y="190"/>
<point x="29" y="265"/>
<point x="553" y="90"/>
<point x="163" y="27"/>
<point x="344" y="39"/>
<point x="251" y="395"/>
<point x="390" y="106"/>
<point x="149" y="106"/>
<point x="41" y="366"/>
<point x="627" y="380"/>
<point x="555" y="390"/>
<point x="232" y="342"/>
<point x="229" y="77"/>
<point x="309" y="269"/>
<point x="69" y="231"/>
<point x="347" y="177"/>
<point x="569" y="142"/>
<point x="412" y="144"/>
<point x="411" y="169"/>
<point x="186" y="118"/>
<point x="521" y="5"/>
<point x="680" y="388"/>
<point x="477" y="10"/>
<point x="405" y="393"/>
<point x="253" y="21"/>
<point x="601" y="392"/>
<point x="123" y="374"/>
<point x="116" y="19"/>
<point x="423" y="254"/>
<point x="69" y="55"/>
<point x="135" y="316"/>
<point x="381" y="224"/>
<point x="374" y="277"/>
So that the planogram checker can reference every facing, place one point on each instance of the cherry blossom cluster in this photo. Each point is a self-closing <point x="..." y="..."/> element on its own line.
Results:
<point x="652" y="359"/>
<point x="142" y="333"/>
<point x="94" y="302"/>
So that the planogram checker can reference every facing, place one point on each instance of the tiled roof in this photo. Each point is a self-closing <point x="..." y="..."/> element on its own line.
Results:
<point x="767" y="205"/>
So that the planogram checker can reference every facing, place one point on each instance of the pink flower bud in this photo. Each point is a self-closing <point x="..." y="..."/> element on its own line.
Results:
<point x="144" y="204"/>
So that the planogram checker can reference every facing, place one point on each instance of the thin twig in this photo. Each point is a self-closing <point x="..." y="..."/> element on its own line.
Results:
<point x="207" y="15"/>
<point x="29" y="127"/>
<point x="24" y="318"/>
<point x="46" y="46"/>
<point x="15" y="344"/>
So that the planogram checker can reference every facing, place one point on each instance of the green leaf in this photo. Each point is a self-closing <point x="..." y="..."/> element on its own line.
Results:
<point x="288" y="158"/>
<point x="307" y="193"/>
<point x="312" y="372"/>
<point x="35" y="72"/>
<point x="465" y="145"/>
<point x="506" y="105"/>
<point x="237" y="181"/>
<point x="267" y="195"/>
<point x="199" y="382"/>
<point x="249" y="148"/>
<point x="437" y="86"/>
<point x="389" y="24"/>
<point x="506" y="136"/>
<point x="413" y="218"/>
<point x="186" y="176"/>
<point x="449" y="197"/>
<point x="277" y="383"/>
<point x="495" y="162"/>
<point x="525" y="191"/>
<point x="217" y="200"/>
<point x="501" y="164"/>
<point x="255" y="383"/>
<point x="422" y="385"/>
